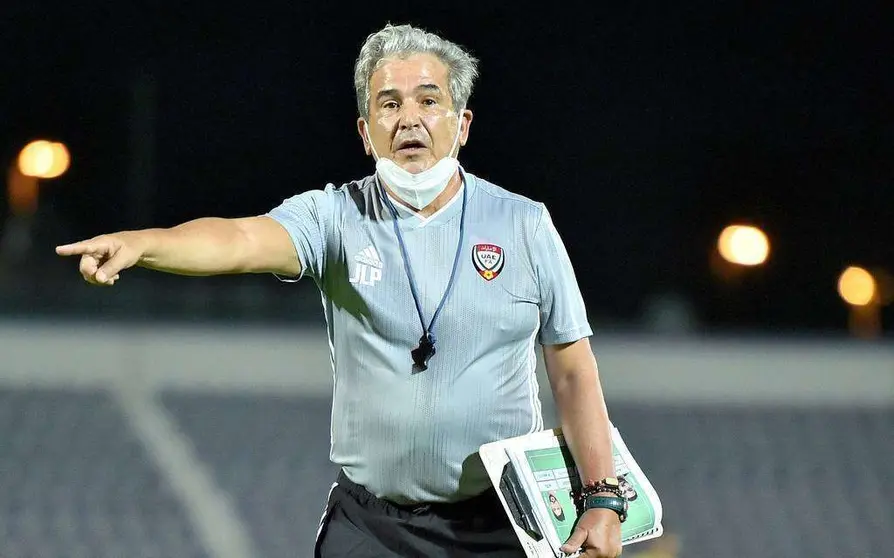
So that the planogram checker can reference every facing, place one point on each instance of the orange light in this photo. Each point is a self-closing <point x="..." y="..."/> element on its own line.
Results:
<point x="21" y="192"/>
<point x="857" y="286"/>
<point x="743" y="245"/>
<point x="44" y="159"/>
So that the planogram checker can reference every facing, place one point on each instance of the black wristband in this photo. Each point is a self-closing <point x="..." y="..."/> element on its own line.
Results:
<point x="617" y="504"/>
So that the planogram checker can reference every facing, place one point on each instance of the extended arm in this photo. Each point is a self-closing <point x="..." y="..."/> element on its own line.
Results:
<point x="206" y="246"/>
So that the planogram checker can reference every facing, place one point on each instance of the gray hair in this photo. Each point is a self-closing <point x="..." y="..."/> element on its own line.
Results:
<point x="405" y="40"/>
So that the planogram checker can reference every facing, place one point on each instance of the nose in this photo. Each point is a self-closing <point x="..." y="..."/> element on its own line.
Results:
<point x="410" y="116"/>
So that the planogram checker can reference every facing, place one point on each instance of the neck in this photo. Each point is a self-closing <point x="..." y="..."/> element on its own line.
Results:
<point x="449" y="192"/>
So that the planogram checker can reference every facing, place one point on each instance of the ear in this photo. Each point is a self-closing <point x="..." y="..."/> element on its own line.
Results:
<point x="465" y="123"/>
<point x="361" y="129"/>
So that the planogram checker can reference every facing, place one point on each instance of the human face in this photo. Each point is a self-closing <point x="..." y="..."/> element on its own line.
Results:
<point x="412" y="120"/>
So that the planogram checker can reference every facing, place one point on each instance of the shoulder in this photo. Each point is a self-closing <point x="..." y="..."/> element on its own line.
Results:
<point x="520" y="206"/>
<point x="365" y="185"/>
<point x="500" y="194"/>
<point x="335" y="195"/>
<point x="360" y="187"/>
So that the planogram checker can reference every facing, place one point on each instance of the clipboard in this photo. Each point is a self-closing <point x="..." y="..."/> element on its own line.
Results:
<point x="515" y="502"/>
<point x="512" y="477"/>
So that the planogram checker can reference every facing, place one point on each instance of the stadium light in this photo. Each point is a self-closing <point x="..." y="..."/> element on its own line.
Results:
<point x="857" y="287"/>
<point x="743" y="245"/>
<point x="44" y="159"/>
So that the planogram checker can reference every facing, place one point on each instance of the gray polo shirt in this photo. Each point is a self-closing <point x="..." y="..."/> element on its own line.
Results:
<point x="412" y="437"/>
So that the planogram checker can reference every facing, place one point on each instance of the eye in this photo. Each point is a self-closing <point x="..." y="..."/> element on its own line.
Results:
<point x="389" y="105"/>
<point x="429" y="102"/>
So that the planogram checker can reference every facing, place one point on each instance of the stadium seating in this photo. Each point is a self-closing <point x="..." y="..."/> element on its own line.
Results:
<point x="75" y="481"/>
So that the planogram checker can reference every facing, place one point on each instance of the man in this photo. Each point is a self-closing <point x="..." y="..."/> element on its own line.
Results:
<point x="556" y="507"/>
<point x="627" y="488"/>
<point x="436" y="285"/>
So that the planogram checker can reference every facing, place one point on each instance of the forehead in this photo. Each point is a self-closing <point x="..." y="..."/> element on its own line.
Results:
<point x="405" y="74"/>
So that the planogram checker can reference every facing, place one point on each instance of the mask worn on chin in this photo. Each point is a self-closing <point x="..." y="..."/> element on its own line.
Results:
<point x="422" y="188"/>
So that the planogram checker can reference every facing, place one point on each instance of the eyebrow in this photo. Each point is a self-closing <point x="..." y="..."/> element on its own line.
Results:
<point x="429" y="87"/>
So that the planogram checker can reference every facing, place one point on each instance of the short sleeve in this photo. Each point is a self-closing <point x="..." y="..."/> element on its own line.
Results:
<point x="563" y="315"/>
<point x="309" y="218"/>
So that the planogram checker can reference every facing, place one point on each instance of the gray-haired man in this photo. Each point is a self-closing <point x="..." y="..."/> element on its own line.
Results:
<point x="436" y="287"/>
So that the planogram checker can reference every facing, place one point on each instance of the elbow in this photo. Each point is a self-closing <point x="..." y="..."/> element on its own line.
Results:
<point x="243" y="250"/>
<point x="261" y="245"/>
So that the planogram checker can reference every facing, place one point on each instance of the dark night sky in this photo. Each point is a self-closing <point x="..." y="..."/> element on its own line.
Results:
<point x="645" y="128"/>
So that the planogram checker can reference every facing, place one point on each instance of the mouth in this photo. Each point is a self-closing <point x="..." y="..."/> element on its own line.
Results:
<point x="411" y="147"/>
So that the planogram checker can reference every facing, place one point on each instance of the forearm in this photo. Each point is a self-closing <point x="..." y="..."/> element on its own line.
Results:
<point x="206" y="246"/>
<point x="585" y="423"/>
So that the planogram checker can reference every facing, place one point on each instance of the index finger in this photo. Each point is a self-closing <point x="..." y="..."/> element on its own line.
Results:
<point x="78" y="248"/>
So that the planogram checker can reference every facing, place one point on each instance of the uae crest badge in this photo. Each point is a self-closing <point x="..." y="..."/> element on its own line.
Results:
<point x="488" y="260"/>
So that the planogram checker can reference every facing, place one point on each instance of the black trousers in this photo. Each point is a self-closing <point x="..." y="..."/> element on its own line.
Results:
<point x="358" y="524"/>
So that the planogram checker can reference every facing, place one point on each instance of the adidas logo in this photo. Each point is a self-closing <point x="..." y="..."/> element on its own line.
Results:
<point x="369" y="256"/>
<point x="368" y="269"/>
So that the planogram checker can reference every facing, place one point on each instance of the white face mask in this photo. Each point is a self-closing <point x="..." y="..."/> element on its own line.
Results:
<point x="422" y="188"/>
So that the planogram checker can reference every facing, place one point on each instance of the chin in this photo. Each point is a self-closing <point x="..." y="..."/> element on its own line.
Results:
<point x="415" y="167"/>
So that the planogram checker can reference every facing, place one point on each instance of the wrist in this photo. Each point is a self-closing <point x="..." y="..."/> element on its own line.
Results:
<point x="140" y="242"/>
<point x="604" y="495"/>
<point x="605" y="513"/>
<point x="616" y="505"/>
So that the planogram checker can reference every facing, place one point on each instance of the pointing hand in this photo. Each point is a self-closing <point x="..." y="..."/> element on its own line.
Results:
<point x="103" y="257"/>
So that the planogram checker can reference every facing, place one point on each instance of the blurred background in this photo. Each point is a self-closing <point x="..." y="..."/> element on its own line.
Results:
<point x="723" y="179"/>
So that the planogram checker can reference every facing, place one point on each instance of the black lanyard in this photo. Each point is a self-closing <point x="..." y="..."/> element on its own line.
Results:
<point x="426" y="348"/>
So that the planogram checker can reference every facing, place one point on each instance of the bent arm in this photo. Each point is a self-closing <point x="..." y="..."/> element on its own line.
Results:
<point x="217" y="246"/>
